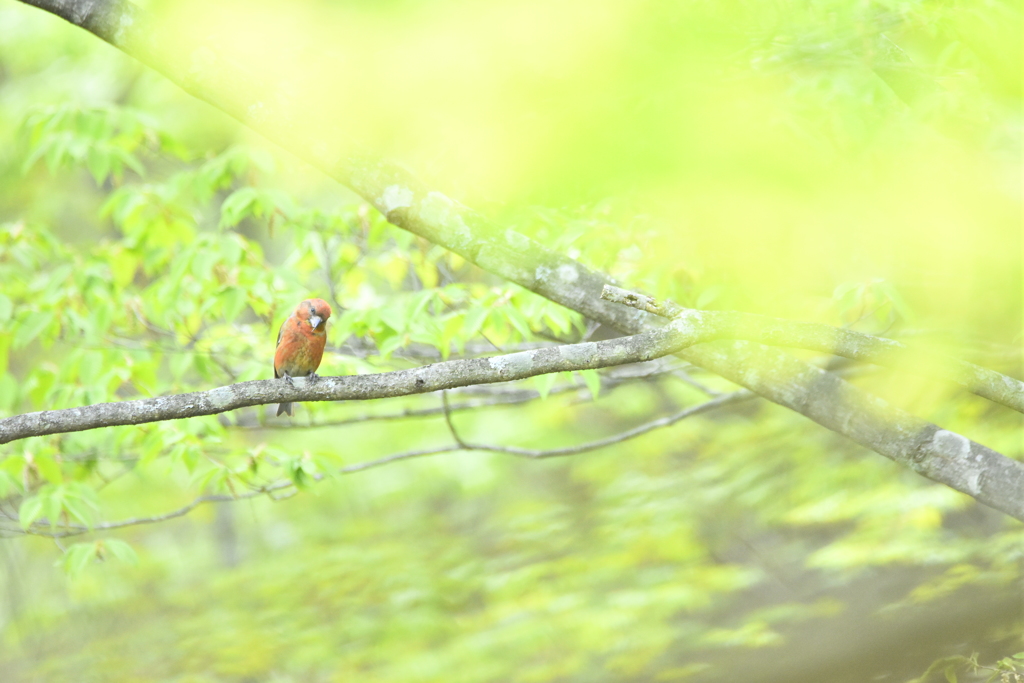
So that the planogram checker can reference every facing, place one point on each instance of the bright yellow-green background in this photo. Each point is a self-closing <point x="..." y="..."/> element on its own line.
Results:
<point x="842" y="162"/>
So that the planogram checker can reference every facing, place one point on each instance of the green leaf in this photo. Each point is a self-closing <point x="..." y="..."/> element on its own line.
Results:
<point x="121" y="551"/>
<point x="237" y="206"/>
<point x="543" y="383"/>
<point x="889" y="291"/>
<point x="49" y="469"/>
<point x="232" y="301"/>
<point x="474" y="321"/>
<point x="202" y="264"/>
<point x="593" y="381"/>
<point x="396" y="316"/>
<point x="180" y="363"/>
<point x="559" y="319"/>
<point x="390" y="344"/>
<point x="34" y="156"/>
<point x="232" y="249"/>
<point x="28" y="329"/>
<point x="123" y="264"/>
<point x="190" y="455"/>
<point x="450" y="330"/>
<point x="950" y="673"/>
<point x="6" y="308"/>
<point x="90" y="367"/>
<point x="297" y="470"/>
<point x="78" y="557"/>
<point x="99" y="163"/>
<point x="78" y="509"/>
<point x="519" y="321"/>
<point x="31" y="509"/>
<point x="87" y="494"/>
<point x="212" y="478"/>
<point x="53" y="505"/>
<point x="13" y="465"/>
<point x="8" y="484"/>
<point x="127" y="159"/>
<point x="420" y="302"/>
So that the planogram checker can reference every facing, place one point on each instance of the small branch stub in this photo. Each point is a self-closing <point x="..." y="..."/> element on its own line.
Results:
<point x="617" y="295"/>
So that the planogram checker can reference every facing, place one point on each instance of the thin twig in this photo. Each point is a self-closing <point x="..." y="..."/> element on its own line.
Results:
<point x="39" y="528"/>
<point x="667" y="421"/>
<point x="448" y="420"/>
<point x="328" y="274"/>
<point x="703" y="388"/>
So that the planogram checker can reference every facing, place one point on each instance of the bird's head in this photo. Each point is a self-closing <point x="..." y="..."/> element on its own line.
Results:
<point x="315" y="312"/>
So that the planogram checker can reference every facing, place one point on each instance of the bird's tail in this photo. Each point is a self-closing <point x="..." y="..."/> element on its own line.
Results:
<point x="284" y="408"/>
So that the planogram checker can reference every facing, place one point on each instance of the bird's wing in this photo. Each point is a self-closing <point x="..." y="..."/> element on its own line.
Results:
<point x="280" y="333"/>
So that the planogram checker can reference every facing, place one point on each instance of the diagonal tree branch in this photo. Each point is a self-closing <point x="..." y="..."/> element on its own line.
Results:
<point x="204" y="72"/>
<point x="986" y="383"/>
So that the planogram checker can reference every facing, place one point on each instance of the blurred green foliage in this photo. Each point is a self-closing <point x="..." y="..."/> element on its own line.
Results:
<point x="854" y="163"/>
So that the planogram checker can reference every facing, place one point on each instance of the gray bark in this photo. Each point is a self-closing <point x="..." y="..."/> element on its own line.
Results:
<point x="994" y="386"/>
<point x="424" y="379"/>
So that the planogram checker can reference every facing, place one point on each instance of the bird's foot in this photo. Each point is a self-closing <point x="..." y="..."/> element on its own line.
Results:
<point x="313" y="378"/>
<point x="288" y="380"/>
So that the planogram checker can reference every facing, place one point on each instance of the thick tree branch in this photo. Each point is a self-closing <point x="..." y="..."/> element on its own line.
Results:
<point x="762" y="329"/>
<point x="435" y="377"/>
<point x="941" y="455"/>
<point x="505" y="398"/>
<point x="406" y="202"/>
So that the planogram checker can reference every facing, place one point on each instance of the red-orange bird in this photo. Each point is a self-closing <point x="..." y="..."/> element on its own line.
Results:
<point x="300" y="343"/>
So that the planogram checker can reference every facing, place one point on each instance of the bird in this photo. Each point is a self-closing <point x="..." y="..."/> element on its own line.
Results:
<point x="300" y="344"/>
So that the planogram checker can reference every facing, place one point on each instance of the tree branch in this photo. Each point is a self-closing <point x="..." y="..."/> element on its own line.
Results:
<point x="496" y="395"/>
<point x="668" y="421"/>
<point x="424" y="379"/>
<point x="511" y="399"/>
<point x="41" y="528"/>
<point x="936" y="453"/>
<point x="986" y="383"/>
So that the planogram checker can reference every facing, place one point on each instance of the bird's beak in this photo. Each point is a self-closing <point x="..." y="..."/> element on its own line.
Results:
<point x="315" y="321"/>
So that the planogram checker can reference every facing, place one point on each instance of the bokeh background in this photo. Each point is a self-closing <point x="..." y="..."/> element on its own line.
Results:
<point x="851" y="163"/>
